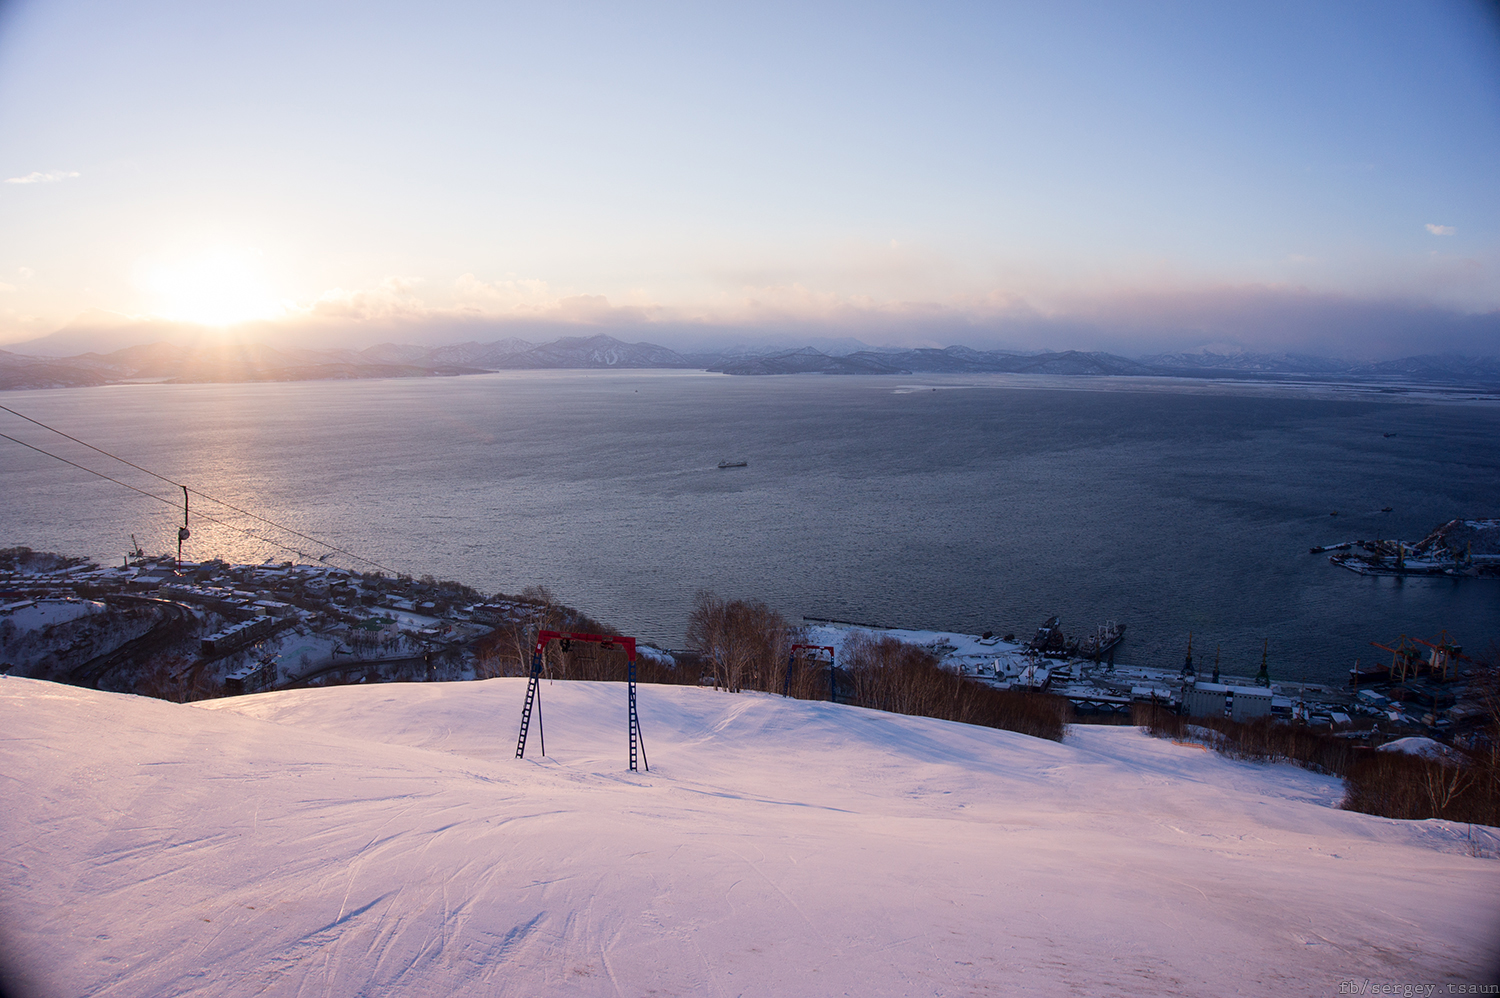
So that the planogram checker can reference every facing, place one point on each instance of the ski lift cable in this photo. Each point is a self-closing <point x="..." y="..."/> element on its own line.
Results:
<point x="160" y="499"/>
<point x="202" y="495"/>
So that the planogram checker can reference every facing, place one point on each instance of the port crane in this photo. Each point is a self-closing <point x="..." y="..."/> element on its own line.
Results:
<point x="1440" y="662"/>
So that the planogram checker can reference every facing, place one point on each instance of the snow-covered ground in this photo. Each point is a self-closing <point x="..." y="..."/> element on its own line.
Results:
<point x="30" y="615"/>
<point x="383" y="840"/>
<point x="968" y="652"/>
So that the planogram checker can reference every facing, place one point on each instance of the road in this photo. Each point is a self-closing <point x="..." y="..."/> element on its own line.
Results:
<point x="172" y="628"/>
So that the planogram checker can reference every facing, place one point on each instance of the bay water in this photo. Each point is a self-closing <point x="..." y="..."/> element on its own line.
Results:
<point x="961" y="503"/>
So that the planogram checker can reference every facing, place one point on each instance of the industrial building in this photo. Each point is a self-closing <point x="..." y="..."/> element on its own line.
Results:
<point x="1239" y="703"/>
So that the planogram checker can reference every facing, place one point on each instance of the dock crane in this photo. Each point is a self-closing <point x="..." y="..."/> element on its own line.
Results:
<point x="1444" y="657"/>
<point x="1404" y="658"/>
<point x="1441" y="662"/>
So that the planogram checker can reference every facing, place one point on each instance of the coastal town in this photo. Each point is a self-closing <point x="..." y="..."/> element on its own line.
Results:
<point x="194" y="630"/>
<point x="187" y="630"/>
<point x="1425" y="691"/>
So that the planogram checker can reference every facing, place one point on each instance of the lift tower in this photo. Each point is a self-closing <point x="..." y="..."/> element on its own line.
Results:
<point x="534" y="689"/>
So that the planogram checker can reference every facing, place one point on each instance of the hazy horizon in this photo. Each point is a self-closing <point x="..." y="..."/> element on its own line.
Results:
<point x="1137" y="180"/>
<point x="122" y="332"/>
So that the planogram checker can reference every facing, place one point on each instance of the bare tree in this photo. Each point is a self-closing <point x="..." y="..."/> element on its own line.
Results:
<point x="745" y="643"/>
<point x="1442" y="783"/>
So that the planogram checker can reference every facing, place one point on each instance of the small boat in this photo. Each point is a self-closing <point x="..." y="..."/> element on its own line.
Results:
<point x="733" y="464"/>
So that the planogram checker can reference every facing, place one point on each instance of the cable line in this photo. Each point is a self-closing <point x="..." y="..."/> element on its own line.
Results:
<point x="90" y="447"/>
<point x="173" y="503"/>
<point x="180" y="485"/>
<point x="153" y="495"/>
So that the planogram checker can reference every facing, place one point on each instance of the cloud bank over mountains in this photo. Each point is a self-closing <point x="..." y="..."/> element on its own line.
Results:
<point x="1260" y="318"/>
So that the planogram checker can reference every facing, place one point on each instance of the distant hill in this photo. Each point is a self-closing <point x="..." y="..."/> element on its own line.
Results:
<point x="18" y="371"/>
<point x="240" y="362"/>
<point x="1210" y="364"/>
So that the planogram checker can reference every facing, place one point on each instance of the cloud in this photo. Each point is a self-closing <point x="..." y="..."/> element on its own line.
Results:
<point x="1441" y="230"/>
<point x="1259" y="318"/>
<point x="37" y="177"/>
<point x="6" y="288"/>
<point x="1134" y="321"/>
<point x="26" y="273"/>
<point x="512" y="295"/>
<point x="392" y="298"/>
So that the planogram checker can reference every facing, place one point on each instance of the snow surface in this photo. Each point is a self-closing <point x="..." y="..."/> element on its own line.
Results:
<point x="1422" y="746"/>
<point x="383" y="840"/>
<point x="30" y="615"/>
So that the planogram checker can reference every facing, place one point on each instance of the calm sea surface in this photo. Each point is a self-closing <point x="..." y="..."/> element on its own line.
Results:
<point x="957" y="503"/>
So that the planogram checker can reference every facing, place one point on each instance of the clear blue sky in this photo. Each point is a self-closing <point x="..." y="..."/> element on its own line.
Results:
<point x="1132" y="176"/>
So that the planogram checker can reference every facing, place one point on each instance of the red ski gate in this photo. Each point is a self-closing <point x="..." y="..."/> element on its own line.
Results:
<point x="534" y="689"/>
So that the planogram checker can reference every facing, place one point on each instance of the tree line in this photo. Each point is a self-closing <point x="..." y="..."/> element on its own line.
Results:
<point x="740" y="645"/>
<point x="744" y="644"/>
<point x="1460" y="784"/>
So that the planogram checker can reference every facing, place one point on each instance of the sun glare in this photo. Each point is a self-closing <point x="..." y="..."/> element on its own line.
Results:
<point x="219" y="288"/>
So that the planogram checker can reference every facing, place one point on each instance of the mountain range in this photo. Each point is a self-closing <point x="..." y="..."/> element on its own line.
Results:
<point x="240" y="362"/>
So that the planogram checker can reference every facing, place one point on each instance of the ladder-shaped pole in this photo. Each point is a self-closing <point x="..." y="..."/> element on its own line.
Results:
<point x="636" y="741"/>
<point x="533" y="699"/>
<point x="534" y="691"/>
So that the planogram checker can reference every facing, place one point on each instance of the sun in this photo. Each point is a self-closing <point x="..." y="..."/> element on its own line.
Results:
<point x="216" y="288"/>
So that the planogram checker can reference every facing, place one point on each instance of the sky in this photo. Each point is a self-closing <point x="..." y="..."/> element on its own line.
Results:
<point x="1305" y="177"/>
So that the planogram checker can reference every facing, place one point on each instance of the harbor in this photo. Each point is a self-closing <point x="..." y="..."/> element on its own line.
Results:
<point x="1428" y="688"/>
<point x="195" y="628"/>
<point x="1458" y="548"/>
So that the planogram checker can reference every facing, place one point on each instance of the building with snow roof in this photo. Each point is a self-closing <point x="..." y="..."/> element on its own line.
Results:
<point x="1239" y="703"/>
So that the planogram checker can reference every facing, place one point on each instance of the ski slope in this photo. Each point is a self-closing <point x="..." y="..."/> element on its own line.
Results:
<point x="383" y="840"/>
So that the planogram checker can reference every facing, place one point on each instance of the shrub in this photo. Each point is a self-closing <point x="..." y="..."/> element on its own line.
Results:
<point x="887" y="674"/>
<point x="1464" y="787"/>
<point x="1261" y="740"/>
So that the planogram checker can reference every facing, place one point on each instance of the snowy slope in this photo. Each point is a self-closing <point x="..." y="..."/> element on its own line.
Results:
<point x="383" y="840"/>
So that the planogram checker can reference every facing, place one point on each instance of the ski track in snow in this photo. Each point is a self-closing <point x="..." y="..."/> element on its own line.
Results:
<point x="380" y="840"/>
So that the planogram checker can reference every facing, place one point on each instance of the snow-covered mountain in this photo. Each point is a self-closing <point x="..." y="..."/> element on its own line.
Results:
<point x="384" y="840"/>
<point x="588" y="352"/>
<point x="229" y="361"/>
<point x="1208" y="362"/>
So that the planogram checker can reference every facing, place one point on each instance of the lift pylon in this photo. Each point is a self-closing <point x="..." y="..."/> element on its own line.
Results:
<point x="183" y="533"/>
<point x="810" y="651"/>
<point x="534" y="690"/>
